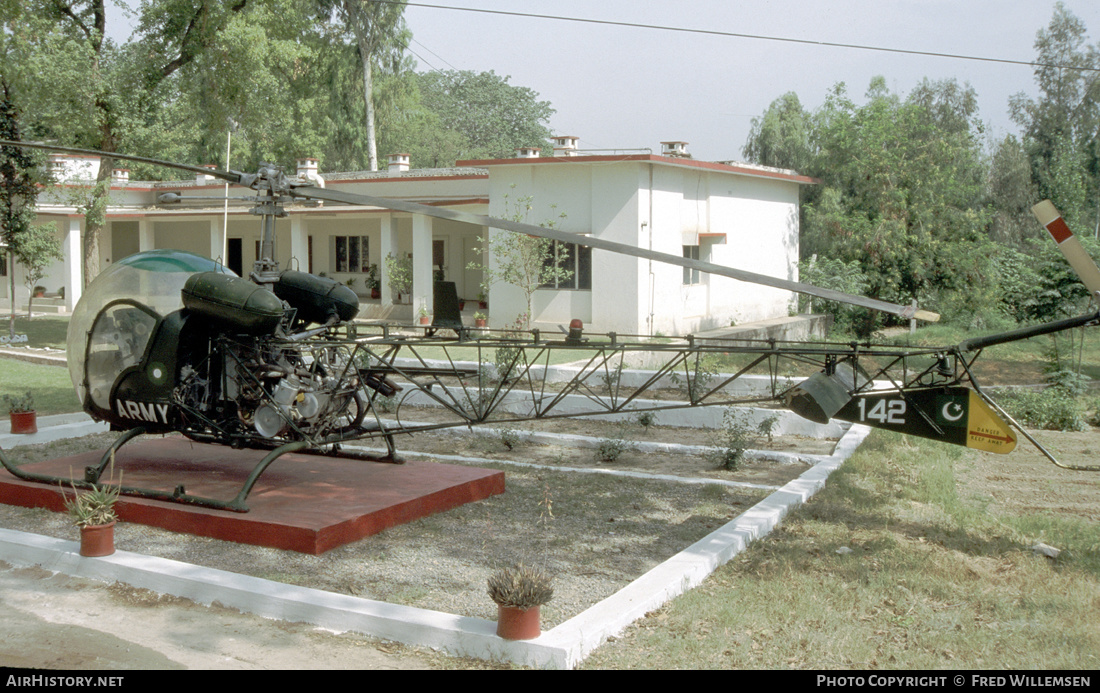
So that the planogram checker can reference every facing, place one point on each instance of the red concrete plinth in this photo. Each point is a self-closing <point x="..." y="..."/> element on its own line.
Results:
<point x="303" y="503"/>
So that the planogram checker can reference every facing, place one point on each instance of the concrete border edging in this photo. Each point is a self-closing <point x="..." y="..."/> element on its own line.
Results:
<point x="564" y="646"/>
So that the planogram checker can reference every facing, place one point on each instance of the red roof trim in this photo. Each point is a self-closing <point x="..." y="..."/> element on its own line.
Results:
<point x="645" y="158"/>
<point x="239" y="211"/>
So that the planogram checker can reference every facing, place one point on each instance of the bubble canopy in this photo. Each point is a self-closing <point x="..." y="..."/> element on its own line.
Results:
<point x="113" y="320"/>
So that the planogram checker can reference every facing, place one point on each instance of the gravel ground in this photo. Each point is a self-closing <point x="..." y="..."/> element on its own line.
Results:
<point x="592" y="532"/>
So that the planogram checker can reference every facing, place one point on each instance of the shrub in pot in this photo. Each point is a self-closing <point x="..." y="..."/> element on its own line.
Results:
<point x="518" y="592"/>
<point x="23" y="417"/>
<point x="93" y="510"/>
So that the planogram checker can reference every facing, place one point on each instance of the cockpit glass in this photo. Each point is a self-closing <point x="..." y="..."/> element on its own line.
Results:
<point x="117" y="341"/>
<point x="152" y="279"/>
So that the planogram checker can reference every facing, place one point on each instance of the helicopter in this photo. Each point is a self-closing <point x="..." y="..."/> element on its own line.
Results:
<point x="167" y="341"/>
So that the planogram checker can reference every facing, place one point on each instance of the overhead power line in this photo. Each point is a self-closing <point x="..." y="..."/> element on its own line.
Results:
<point x="732" y="34"/>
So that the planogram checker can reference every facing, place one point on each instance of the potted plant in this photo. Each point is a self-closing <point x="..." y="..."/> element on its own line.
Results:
<point x="399" y="272"/>
<point x="425" y="317"/>
<point x="518" y="592"/>
<point x="480" y="319"/>
<point x="24" y="418"/>
<point x="373" y="282"/>
<point x="93" y="510"/>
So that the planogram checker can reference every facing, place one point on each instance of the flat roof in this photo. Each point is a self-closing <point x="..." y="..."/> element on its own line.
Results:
<point x="736" y="168"/>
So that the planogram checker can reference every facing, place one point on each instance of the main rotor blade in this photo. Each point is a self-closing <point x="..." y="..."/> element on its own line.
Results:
<point x="1079" y="259"/>
<point x="231" y="176"/>
<point x="315" y="193"/>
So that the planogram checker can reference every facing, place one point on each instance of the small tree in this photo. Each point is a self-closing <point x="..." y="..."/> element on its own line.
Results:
<point x="399" y="273"/>
<point x="35" y="249"/>
<point x="526" y="262"/>
<point x="19" y="178"/>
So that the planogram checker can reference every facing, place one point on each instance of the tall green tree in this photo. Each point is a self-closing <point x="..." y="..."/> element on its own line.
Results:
<point x="782" y="136"/>
<point x="1011" y="193"/>
<point x="79" y="88"/>
<point x="19" y="179"/>
<point x="1061" y="128"/>
<point x="490" y="116"/>
<point x="381" y="37"/>
<point x="901" y="194"/>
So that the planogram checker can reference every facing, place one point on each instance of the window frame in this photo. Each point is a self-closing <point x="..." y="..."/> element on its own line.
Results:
<point x="692" y="276"/>
<point x="580" y="257"/>
<point x="362" y="254"/>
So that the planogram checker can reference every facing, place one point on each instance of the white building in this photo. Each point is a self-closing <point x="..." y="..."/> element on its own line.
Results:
<point x="732" y="214"/>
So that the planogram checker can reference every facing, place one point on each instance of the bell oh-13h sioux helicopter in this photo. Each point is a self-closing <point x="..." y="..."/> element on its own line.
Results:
<point x="165" y="341"/>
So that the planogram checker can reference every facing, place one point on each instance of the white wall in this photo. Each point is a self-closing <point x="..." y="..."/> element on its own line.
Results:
<point x="663" y="207"/>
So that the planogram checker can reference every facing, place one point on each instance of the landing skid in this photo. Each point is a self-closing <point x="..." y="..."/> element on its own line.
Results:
<point x="93" y="474"/>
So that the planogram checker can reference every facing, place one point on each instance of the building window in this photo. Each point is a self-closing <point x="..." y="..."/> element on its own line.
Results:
<point x="575" y="258"/>
<point x="691" y="276"/>
<point x="352" y="254"/>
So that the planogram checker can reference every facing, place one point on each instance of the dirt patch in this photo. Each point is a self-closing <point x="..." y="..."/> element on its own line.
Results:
<point x="594" y="532"/>
<point x="492" y="442"/>
<point x="1026" y="482"/>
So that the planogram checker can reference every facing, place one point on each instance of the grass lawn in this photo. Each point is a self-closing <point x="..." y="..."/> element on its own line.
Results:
<point x="41" y="331"/>
<point x="907" y="559"/>
<point x="50" y="385"/>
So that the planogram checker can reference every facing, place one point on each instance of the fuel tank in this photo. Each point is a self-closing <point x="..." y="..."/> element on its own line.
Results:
<point x="318" y="299"/>
<point x="233" y="301"/>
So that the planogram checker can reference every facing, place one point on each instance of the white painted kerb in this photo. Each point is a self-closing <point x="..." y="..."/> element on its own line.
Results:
<point x="565" y="646"/>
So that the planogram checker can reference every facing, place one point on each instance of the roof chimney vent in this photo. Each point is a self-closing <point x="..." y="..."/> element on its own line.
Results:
<point x="675" y="148"/>
<point x="398" y="163"/>
<point x="565" y="145"/>
<point x="528" y="153"/>
<point x="307" y="168"/>
<point x="69" y="167"/>
<point x="204" y="178"/>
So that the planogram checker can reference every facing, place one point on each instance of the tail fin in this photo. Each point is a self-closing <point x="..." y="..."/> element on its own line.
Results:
<point x="1049" y="216"/>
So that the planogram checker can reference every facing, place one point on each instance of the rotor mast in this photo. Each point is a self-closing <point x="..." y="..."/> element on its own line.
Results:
<point x="272" y="183"/>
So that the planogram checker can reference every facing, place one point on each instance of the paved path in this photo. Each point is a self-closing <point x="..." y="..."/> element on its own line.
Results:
<point x="58" y="622"/>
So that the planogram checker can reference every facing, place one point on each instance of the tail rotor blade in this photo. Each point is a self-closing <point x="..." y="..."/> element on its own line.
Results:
<point x="1079" y="259"/>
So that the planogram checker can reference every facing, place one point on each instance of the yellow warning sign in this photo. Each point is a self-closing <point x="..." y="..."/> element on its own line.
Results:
<point x="987" y="431"/>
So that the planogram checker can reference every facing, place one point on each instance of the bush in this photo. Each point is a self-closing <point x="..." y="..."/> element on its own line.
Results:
<point x="737" y="435"/>
<point x="510" y="438"/>
<point x="610" y="449"/>
<point x="1053" y="409"/>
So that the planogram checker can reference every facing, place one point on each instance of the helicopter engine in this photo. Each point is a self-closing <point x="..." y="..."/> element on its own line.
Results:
<point x="197" y="349"/>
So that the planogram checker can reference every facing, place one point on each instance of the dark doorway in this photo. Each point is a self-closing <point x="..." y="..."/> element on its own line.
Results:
<point x="234" y="262"/>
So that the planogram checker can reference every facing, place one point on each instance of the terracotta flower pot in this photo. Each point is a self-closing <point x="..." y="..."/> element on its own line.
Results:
<point x="518" y="624"/>
<point x="97" y="540"/>
<point x="24" y="422"/>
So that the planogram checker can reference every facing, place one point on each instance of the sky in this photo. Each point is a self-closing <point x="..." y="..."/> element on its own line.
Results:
<point x="621" y="87"/>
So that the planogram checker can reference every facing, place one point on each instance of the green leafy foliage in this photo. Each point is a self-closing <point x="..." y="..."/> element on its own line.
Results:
<point x="1053" y="408"/>
<point x="92" y="507"/>
<point x="912" y="205"/>
<point x="490" y="116"/>
<point x="525" y="262"/>
<point x="611" y="449"/>
<point x="737" y="435"/>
